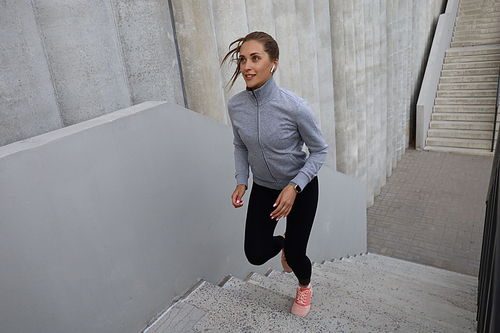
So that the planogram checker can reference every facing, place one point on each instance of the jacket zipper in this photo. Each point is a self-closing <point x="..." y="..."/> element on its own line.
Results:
<point x="260" y="144"/>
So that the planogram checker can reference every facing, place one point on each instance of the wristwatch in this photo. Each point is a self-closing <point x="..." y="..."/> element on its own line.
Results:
<point x="296" y="187"/>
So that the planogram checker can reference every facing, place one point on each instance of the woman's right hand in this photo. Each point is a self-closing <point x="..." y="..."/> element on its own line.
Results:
<point x="238" y="195"/>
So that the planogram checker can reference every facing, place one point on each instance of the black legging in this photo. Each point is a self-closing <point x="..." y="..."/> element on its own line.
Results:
<point x="260" y="242"/>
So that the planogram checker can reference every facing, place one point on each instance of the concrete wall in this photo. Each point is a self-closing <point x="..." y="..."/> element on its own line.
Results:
<point x="28" y="103"/>
<point x="364" y="102"/>
<point x="104" y="222"/>
<point x="69" y="61"/>
<point x="64" y="62"/>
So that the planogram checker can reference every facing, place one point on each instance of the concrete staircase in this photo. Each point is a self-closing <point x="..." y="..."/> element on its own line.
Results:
<point x="367" y="293"/>
<point x="464" y="109"/>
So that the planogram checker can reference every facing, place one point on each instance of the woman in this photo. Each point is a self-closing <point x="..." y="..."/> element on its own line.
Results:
<point x="271" y="125"/>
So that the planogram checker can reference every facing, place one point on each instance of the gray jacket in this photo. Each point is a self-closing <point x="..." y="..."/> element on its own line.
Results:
<point x="270" y="126"/>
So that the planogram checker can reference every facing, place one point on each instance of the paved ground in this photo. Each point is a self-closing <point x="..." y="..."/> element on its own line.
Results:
<point x="431" y="211"/>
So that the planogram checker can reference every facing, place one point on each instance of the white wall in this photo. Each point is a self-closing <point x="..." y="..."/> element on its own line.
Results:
<point x="104" y="222"/>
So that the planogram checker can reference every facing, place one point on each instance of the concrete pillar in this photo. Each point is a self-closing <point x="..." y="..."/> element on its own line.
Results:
<point x="149" y="51"/>
<point x="404" y="75"/>
<point x="350" y="83"/>
<point x="400" y="99"/>
<point x="360" y="90"/>
<point x="84" y="57"/>
<point x="379" y="129"/>
<point x="372" y="127"/>
<point x="391" y="89"/>
<point x="384" y="90"/>
<point x="230" y="23"/>
<point x="339" y="88"/>
<point x="260" y="17"/>
<point x="286" y="36"/>
<point x="27" y="98"/>
<point x="325" y="77"/>
<point x="408" y="68"/>
<point x="306" y="34"/>
<point x="199" y="58"/>
<point x="412" y="76"/>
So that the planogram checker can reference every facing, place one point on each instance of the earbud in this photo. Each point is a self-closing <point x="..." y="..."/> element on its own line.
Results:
<point x="272" y="69"/>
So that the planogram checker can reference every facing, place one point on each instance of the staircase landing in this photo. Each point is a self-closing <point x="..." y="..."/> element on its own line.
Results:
<point x="368" y="293"/>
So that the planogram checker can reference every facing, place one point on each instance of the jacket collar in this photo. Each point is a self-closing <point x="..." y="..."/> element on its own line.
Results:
<point x="265" y="93"/>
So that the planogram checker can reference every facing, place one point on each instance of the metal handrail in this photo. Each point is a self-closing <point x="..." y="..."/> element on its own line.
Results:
<point x="496" y="113"/>
<point x="488" y="300"/>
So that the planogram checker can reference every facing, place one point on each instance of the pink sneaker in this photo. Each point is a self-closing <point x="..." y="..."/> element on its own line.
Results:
<point x="286" y="268"/>
<point x="302" y="303"/>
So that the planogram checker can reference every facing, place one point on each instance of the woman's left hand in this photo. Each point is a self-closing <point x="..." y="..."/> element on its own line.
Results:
<point x="284" y="203"/>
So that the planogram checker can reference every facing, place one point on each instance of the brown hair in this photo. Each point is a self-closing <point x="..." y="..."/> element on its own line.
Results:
<point x="269" y="44"/>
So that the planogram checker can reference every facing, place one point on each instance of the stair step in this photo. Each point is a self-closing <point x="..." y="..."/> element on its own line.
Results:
<point x="467" y="101"/>
<point x="368" y="293"/>
<point x="456" y="150"/>
<point x="469" y="86"/>
<point x="270" y="298"/>
<point x="465" y="6"/>
<point x="490" y="30"/>
<point x="471" y="20"/>
<point x="478" y="74"/>
<point x="472" y="58"/>
<point x="479" y="126"/>
<point x="386" y="294"/>
<point x="477" y="42"/>
<point x="460" y="134"/>
<point x="446" y="78"/>
<point x="473" y="50"/>
<point x="490" y="109"/>
<point x="410" y="271"/>
<point x="469" y="65"/>
<point x="478" y="11"/>
<point x="493" y="15"/>
<point x="461" y="143"/>
<point x="220" y="310"/>
<point x="476" y="36"/>
<point x="455" y="289"/>
<point x="466" y="93"/>
<point x="458" y="116"/>
<point x="472" y="27"/>
<point x="344" y="320"/>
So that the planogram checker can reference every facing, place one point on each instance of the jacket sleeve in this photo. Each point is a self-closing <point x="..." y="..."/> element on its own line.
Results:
<point x="311" y="133"/>
<point x="240" y="159"/>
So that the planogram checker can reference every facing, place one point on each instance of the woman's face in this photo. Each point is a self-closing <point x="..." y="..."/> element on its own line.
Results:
<point x="255" y="65"/>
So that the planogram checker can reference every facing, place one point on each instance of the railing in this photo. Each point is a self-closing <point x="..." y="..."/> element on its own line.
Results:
<point x="488" y="309"/>
<point x="496" y="113"/>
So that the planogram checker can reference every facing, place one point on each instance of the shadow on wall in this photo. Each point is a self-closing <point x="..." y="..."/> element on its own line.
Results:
<point x="104" y="222"/>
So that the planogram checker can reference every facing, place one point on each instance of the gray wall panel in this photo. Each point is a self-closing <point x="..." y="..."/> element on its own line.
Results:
<point x="104" y="222"/>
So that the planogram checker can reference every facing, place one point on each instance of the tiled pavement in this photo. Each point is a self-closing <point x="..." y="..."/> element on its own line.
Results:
<point x="431" y="211"/>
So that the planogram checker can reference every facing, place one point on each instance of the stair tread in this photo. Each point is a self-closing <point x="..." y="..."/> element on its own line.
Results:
<point x="460" y="140"/>
<point x="370" y="293"/>
<point x="456" y="150"/>
<point x="380" y="292"/>
<point x="455" y="133"/>
<point x="320" y="314"/>
<point x="224" y="311"/>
